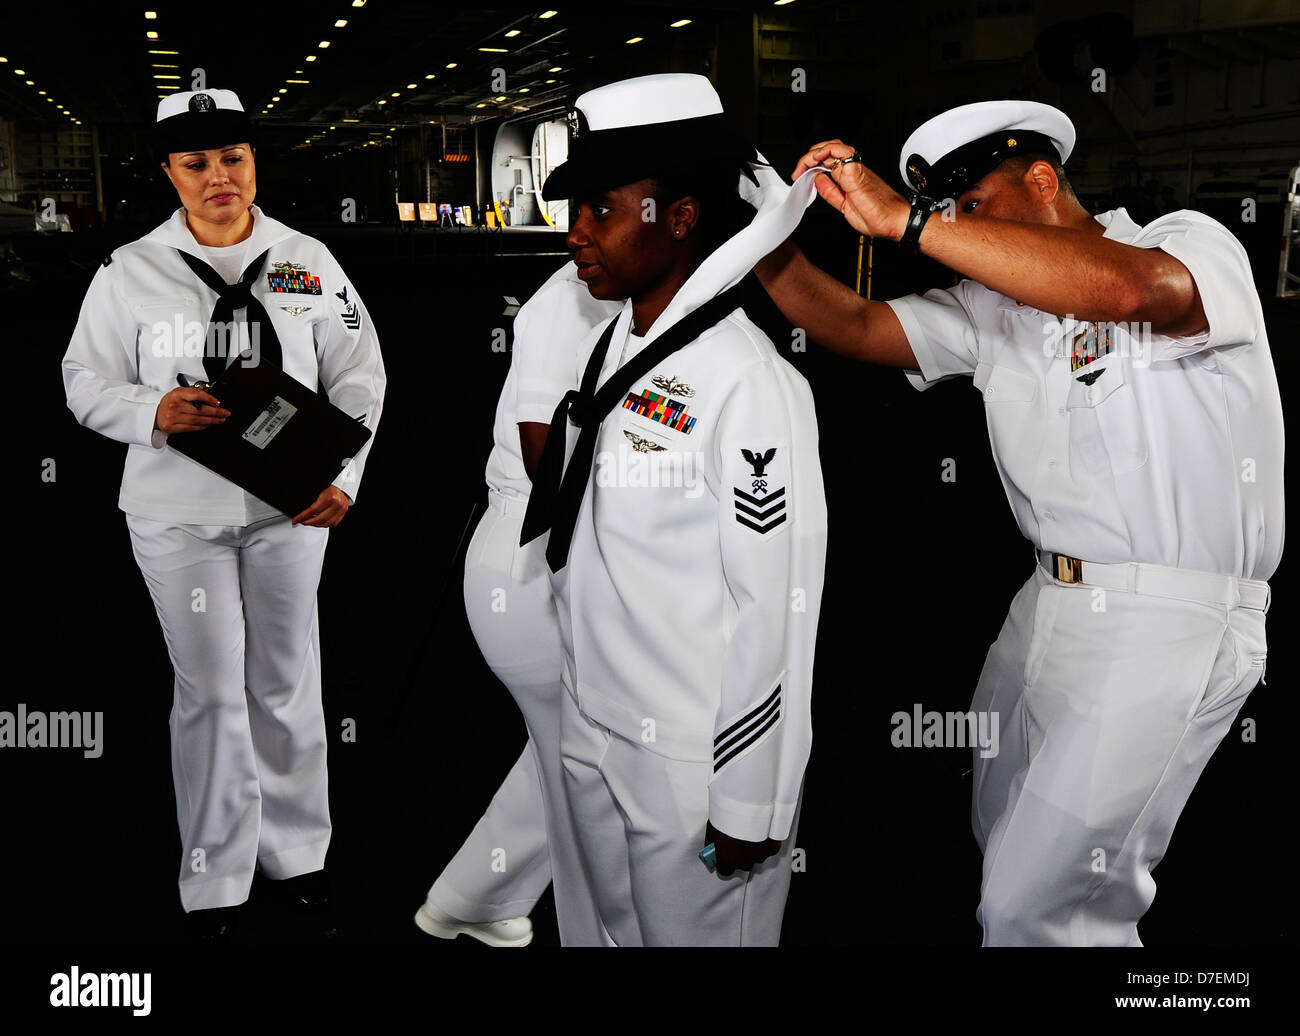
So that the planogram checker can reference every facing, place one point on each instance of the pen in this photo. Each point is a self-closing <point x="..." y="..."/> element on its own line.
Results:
<point x="185" y="382"/>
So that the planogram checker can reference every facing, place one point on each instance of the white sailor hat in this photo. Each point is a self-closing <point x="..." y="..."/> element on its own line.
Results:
<point x="195" y="120"/>
<point x="636" y="128"/>
<point x="950" y="153"/>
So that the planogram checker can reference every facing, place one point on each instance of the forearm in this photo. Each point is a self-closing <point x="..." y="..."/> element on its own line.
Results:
<point x="1061" y="270"/>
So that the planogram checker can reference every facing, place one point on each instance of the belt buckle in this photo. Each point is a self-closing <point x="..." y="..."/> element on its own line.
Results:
<point x="1068" y="570"/>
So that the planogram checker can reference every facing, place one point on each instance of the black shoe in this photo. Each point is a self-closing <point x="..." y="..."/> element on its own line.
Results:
<point x="211" y="926"/>
<point x="309" y="893"/>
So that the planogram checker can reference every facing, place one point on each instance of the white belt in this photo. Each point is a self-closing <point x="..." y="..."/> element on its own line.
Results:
<point x="1160" y="581"/>
<point x="510" y="506"/>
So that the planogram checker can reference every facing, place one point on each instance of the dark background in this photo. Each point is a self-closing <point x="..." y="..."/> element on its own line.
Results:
<point x="90" y="846"/>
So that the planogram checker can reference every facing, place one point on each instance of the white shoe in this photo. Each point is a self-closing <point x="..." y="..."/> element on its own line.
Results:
<point x="514" y="931"/>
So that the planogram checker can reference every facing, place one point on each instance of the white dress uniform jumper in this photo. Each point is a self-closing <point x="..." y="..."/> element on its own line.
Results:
<point x="1146" y="470"/>
<point x="687" y="542"/>
<point x="233" y="582"/>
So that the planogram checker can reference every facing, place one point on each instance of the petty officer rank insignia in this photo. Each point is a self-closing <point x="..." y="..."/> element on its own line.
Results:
<point x="351" y="314"/>
<point x="662" y="409"/>
<point x="759" y="478"/>
<point x="293" y="277"/>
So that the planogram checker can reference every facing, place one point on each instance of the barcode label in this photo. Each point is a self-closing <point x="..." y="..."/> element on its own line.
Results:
<point x="269" y="422"/>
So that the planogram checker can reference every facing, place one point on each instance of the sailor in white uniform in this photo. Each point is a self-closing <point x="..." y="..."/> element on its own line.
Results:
<point x="688" y="534"/>
<point x="233" y="579"/>
<point x="1135" y="421"/>
<point x="493" y="882"/>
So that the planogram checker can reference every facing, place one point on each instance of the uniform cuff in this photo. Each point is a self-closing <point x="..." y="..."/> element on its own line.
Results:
<point x="928" y="373"/>
<point x="749" y="821"/>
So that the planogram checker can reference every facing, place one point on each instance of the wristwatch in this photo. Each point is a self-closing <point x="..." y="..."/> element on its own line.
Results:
<point x="922" y="207"/>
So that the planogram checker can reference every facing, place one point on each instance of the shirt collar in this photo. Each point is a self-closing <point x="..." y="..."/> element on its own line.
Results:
<point x="176" y="234"/>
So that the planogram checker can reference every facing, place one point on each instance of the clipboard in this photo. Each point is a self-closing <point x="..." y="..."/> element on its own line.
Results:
<point x="282" y="442"/>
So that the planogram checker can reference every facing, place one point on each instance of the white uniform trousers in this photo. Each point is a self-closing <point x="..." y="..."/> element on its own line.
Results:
<point x="1109" y="705"/>
<point x="504" y="866"/>
<point x="237" y="606"/>
<point x="639" y="823"/>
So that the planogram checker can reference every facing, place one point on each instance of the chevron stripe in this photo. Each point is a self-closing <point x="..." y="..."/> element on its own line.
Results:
<point x="761" y="515"/>
<point x="352" y="318"/>
<point x="761" y="528"/>
<point x="760" y="501"/>
<point x="744" y="734"/>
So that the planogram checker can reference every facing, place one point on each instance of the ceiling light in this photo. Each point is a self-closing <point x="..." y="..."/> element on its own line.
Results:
<point x="151" y="15"/>
<point x="151" y="35"/>
<point x="19" y="72"/>
<point x="164" y="52"/>
<point x="160" y="76"/>
<point x="451" y="64"/>
<point x="480" y="106"/>
<point x="430" y="76"/>
<point x="679" y="23"/>
<point x="42" y="92"/>
<point x="410" y="86"/>
<point x="311" y="57"/>
<point x="502" y="97"/>
<point x="782" y="3"/>
<point x="523" y="90"/>
<point x="548" y="14"/>
<point x="297" y="80"/>
<point x="283" y="90"/>
<point x="396" y="93"/>
<point x="341" y="23"/>
<point x="382" y="102"/>
<point x="358" y="3"/>
<point x="164" y="66"/>
<point x="550" y="80"/>
<point x="493" y="50"/>
<point x="557" y="68"/>
<point x="635" y="39"/>
<point x="324" y="44"/>
<point x="512" y="33"/>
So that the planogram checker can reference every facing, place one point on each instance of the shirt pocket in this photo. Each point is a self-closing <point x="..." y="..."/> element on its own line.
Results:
<point x="1106" y="431"/>
<point x="1001" y="384"/>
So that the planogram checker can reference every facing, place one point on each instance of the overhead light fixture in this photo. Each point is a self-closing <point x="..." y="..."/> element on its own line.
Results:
<point x="151" y="15"/>
<point x="19" y="72"/>
<point x="483" y="105"/>
<point x="493" y="50"/>
<point x="30" y="82"/>
<point x="41" y="93"/>
<point x="298" y="81"/>
<point x="451" y="64"/>
<point x="782" y="3"/>
<point x="410" y="86"/>
<point x="283" y="90"/>
<point x="4" y="61"/>
<point x="524" y="90"/>
<point x="548" y="14"/>
<point x="160" y="76"/>
<point x="164" y="52"/>
<point x="164" y="66"/>
<point x="341" y="23"/>
<point x="550" y="80"/>
<point x="381" y="102"/>
<point x="324" y="44"/>
<point x="635" y="39"/>
<point x="512" y="34"/>
<point x="351" y="120"/>
<point x="151" y="35"/>
<point x="396" y="93"/>
<point x="430" y="76"/>
<point x="358" y="3"/>
<point x="311" y="57"/>
<point x="679" y="23"/>
<point x="557" y="68"/>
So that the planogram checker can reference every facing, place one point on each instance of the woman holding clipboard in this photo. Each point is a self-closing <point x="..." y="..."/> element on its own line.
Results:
<point x="233" y="579"/>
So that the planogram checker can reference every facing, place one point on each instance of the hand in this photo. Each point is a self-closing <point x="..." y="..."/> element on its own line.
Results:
<point x="177" y="413"/>
<point x="327" y="511"/>
<point x="735" y="853"/>
<point x="870" y="205"/>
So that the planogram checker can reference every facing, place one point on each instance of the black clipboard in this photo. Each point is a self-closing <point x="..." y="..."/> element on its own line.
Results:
<point x="282" y="442"/>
